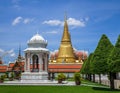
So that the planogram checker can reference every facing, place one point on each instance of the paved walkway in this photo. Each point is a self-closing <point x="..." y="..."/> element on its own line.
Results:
<point x="50" y="83"/>
<point x="53" y="83"/>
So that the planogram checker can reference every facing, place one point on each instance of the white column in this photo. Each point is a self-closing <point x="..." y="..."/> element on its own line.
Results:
<point x="27" y="59"/>
<point x="40" y="62"/>
<point x="46" y="62"/>
<point x="28" y="62"/>
<point x="25" y="68"/>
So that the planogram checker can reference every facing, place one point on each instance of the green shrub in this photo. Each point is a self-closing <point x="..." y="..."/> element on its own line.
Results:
<point x="7" y="74"/>
<point x="2" y="78"/>
<point x="61" y="77"/>
<point x="77" y="78"/>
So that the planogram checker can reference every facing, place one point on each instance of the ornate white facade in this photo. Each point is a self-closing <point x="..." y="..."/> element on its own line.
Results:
<point x="36" y="56"/>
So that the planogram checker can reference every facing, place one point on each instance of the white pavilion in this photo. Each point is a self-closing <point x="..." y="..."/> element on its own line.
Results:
<point x="36" y="56"/>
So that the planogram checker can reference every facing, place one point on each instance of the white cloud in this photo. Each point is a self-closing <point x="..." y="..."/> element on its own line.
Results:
<point x="17" y="7"/>
<point x="74" y="22"/>
<point x="15" y="1"/>
<point x="71" y="21"/>
<point x="17" y="20"/>
<point x="16" y="4"/>
<point x="3" y="53"/>
<point x="13" y="55"/>
<point x="52" y="32"/>
<point x="87" y="18"/>
<point x="28" y="20"/>
<point x="20" y="19"/>
<point x="53" y="22"/>
<point x="10" y="51"/>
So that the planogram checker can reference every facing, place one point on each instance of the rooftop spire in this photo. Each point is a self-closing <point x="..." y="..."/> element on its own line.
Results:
<point x="66" y="35"/>
<point x="66" y="51"/>
<point x="19" y="55"/>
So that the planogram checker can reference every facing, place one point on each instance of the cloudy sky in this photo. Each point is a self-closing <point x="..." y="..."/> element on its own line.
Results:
<point x="87" y="19"/>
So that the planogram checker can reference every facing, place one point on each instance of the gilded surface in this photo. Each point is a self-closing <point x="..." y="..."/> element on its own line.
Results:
<point x="66" y="53"/>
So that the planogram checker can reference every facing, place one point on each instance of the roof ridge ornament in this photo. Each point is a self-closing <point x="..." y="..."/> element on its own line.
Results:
<point x="37" y="33"/>
<point x="65" y="18"/>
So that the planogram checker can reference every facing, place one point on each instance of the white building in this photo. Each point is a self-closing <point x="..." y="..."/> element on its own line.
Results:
<point x="36" y="56"/>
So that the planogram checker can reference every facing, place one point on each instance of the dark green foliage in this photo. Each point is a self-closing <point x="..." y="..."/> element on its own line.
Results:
<point x="2" y="77"/>
<point x="77" y="76"/>
<point x="86" y="65"/>
<point x="99" y="62"/>
<point x="114" y="59"/>
<point x="7" y="74"/>
<point x="61" y="77"/>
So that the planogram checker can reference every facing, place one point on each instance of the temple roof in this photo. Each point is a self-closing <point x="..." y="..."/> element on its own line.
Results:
<point x="3" y="68"/>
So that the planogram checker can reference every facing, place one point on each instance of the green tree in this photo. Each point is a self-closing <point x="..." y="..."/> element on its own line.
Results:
<point x="114" y="62"/>
<point x="77" y="78"/>
<point x="99" y="62"/>
<point x="86" y="67"/>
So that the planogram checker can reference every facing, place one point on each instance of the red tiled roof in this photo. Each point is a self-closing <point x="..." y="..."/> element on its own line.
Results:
<point x="11" y="64"/>
<point x="64" y="70"/>
<point x="51" y="67"/>
<point x="62" y="66"/>
<point x="22" y="63"/>
<point x="3" y="68"/>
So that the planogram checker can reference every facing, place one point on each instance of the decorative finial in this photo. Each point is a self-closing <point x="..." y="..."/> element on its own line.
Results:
<point x="37" y="32"/>
<point x="65" y="15"/>
<point x="19" y="50"/>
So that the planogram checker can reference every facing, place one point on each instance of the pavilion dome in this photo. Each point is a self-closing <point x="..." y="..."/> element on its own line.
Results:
<point x="37" y="41"/>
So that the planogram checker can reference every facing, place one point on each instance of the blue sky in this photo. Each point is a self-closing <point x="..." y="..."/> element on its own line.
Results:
<point x="87" y="19"/>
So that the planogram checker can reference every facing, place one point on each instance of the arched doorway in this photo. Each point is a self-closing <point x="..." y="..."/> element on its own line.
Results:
<point x="35" y="63"/>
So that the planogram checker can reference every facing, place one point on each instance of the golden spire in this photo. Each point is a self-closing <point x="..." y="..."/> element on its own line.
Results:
<point x="66" y="53"/>
<point x="66" y="35"/>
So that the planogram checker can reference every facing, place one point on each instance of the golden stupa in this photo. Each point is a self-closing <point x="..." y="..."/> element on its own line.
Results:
<point x="66" y="53"/>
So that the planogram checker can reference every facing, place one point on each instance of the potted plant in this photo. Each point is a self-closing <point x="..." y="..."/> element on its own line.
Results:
<point x="2" y="79"/>
<point x="63" y="76"/>
<point x="77" y="78"/>
<point x="59" y="78"/>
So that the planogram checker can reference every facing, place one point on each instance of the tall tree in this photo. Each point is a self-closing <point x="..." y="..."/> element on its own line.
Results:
<point x="86" y="67"/>
<point x="114" y="62"/>
<point x="99" y="65"/>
